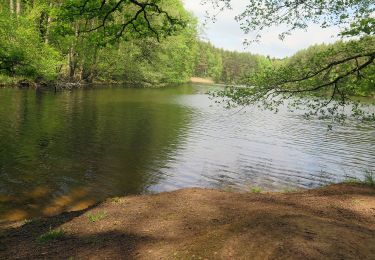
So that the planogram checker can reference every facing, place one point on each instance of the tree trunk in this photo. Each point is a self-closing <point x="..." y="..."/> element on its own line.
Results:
<point x="49" y="20"/>
<point x="18" y="7"/>
<point x="42" y="25"/>
<point x="11" y="6"/>
<point x="73" y="62"/>
<point x="88" y="69"/>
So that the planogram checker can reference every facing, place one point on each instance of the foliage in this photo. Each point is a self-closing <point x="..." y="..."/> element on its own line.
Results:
<point x="224" y="66"/>
<point x="21" y="51"/>
<point x="90" y="40"/>
<point x="149" y="61"/>
<point x="97" y="217"/>
<point x="256" y="190"/>
<point x="51" y="235"/>
<point x="369" y="178"/>
<point x="120" y="18"/>
<point x="330" y="74"/>
<point x="142" y="43"/>
<point x="289" y="190"/>
<point x="338" y="71"/>
<point x="208" y="63"/>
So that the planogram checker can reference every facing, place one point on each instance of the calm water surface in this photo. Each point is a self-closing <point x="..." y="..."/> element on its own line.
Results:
<point x="68" y="150"/>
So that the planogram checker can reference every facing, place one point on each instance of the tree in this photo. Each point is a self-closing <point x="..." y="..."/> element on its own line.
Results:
<point x="336" y="69"/>
<point x="208" y="63"/>
<point x="148" y="61"/>
<point x="224" y="66"/>
<point x="116" y="17"/>
<point x="91" y="39"/>
<point x="19" y="47"/>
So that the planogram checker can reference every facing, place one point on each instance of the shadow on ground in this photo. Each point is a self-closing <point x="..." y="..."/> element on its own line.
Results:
<point x="336" y="222"/>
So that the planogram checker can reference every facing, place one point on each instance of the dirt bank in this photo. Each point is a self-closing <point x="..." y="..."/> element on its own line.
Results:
<point x="336" y="222"/>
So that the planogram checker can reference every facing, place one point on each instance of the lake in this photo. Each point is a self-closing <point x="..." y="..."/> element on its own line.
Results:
<point x="68" y="150"/>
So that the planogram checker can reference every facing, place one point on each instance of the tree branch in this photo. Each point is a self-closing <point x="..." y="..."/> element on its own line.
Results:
<point x="357" y="69"/>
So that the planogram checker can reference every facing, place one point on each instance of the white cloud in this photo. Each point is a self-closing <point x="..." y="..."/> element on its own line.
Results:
<point x="226" y="33"/>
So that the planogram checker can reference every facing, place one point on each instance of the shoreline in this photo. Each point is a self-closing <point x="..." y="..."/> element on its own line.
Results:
<point x="197" y="80"/>
<point x="66" y="85"/>
<point x="335" y="221"/>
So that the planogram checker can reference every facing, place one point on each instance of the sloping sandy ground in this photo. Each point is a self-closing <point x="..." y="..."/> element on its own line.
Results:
<point x="335" y="222"/>
<point x="201" y="80"/>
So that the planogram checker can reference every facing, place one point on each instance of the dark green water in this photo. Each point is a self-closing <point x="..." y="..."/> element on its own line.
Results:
<point x="68" y="150"/>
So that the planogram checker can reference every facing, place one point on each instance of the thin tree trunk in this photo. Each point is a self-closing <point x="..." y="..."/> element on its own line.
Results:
<point x="72" y="65"/>
<point x="47" y="32"/>
<point x="42" y="25"/>
<point x="11" y="6"/>
<point x="18" y="7"/>
<point x="73" y="56"/>
<point x="49" y="20"/>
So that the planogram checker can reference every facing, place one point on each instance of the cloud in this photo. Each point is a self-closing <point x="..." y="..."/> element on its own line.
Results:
<point x="226" y="33"/>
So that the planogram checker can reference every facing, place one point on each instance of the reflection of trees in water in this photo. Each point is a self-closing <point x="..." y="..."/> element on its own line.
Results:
<point x="68" y="151"/>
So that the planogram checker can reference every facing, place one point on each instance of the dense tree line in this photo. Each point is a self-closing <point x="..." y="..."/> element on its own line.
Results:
<point x="91" y="40"/>
<point x="110" y="41"/>
<point x="230" y="67"/>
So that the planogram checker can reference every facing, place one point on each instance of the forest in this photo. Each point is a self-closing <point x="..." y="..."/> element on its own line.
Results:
<point x="43" y="41"/>
<point x="57" y="41"/>
<point x="94" y="41"/>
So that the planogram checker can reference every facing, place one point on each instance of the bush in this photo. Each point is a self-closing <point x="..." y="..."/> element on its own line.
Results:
<point x="22" y="51"/>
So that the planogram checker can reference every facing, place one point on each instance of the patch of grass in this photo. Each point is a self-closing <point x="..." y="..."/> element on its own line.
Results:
<point x="289" y="190"/>
<point x="97" y="217"/>
<point x="30" y="221"/>
<point x="6" y="80"/>
<point x="51" y="235"/>
<point x="228" y="189"/>
<point x="94" y="241"/>
<point x="356" y="201"/>
<point x="116" y="199"/>
<point x="256" y="190"/>
<point x="369" y="178"/>
<point x="352" y="180"/>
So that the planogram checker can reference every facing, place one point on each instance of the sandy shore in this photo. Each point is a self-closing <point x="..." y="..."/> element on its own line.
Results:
<point x="335" y="222"/>
<point x="201" y="80"/>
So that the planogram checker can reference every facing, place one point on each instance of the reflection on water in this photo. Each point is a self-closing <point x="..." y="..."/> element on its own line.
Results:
<point x="68" y="150"/>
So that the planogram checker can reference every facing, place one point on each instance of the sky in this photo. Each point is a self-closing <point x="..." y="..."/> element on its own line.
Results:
<point x="226" y="33"/>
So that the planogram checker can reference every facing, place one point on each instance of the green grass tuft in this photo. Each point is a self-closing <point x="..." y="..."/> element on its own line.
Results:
<point x="256" y="190"/>
<point x="28" y="221"/>
<point x="97" y="217"/>
<point x="352" y="180"/>
<point x="228" y="188"/>
<point x="289" y="190"/>
<point x="6" y="80"/>
<point x="31" y="221"/>
<point x="51" y="235"/>
<point x="369" y="178"/>
<point x="116" y="200"/>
